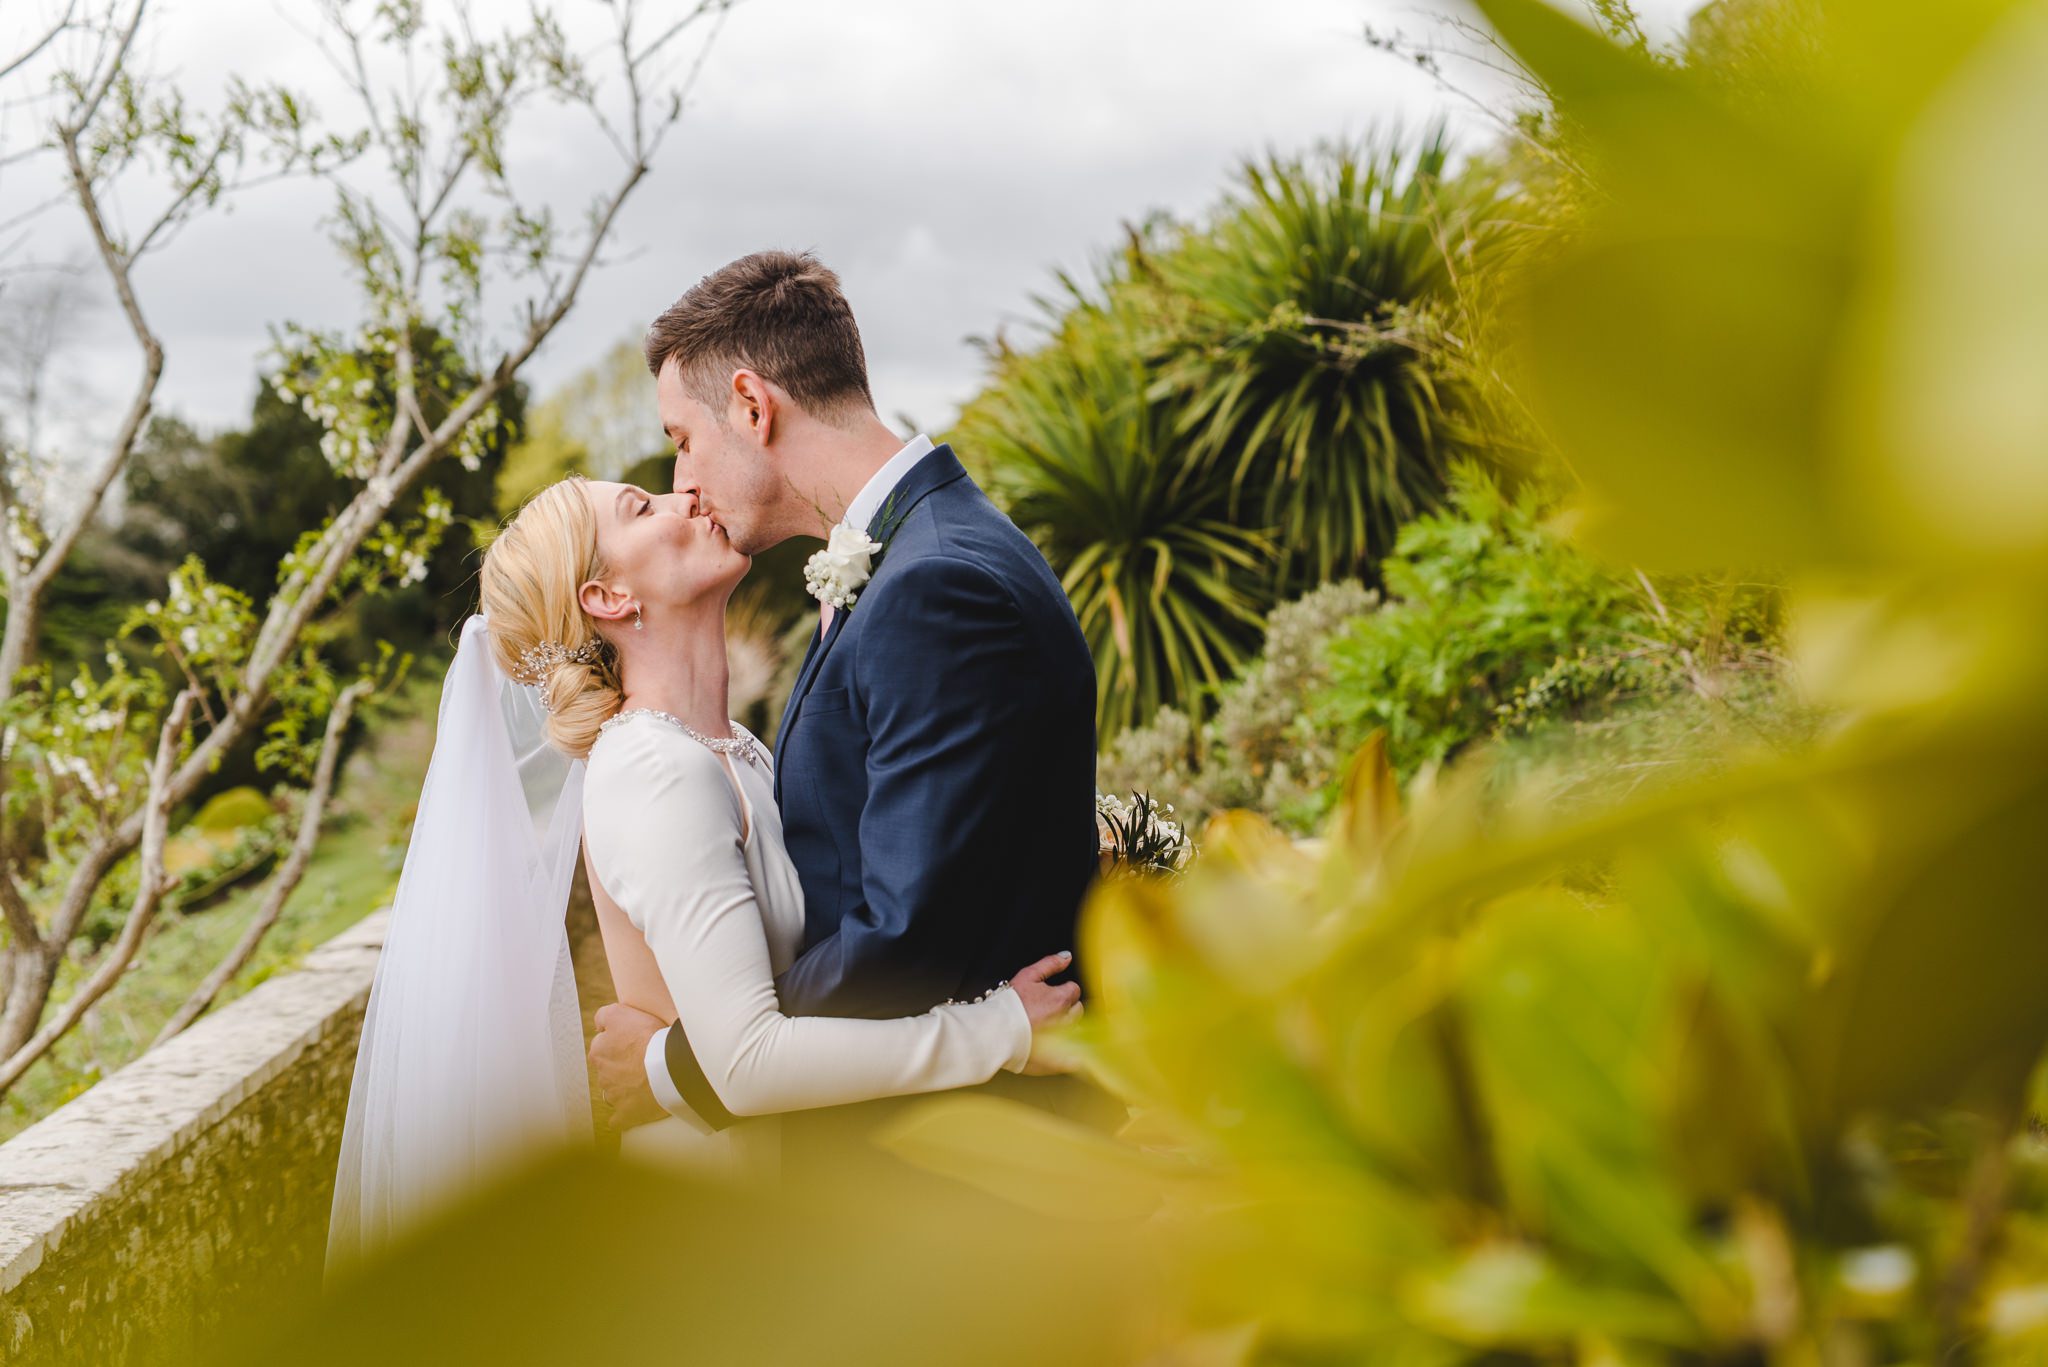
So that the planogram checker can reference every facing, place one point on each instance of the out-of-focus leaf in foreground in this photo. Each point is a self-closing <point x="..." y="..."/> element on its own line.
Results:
<point x="1801" y="329"/>
<point x="583" y="1260"/>
<point x="1737" y="1069"/>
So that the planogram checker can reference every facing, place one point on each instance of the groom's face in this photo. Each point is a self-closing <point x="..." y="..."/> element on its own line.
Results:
<point x="721" y="460"/>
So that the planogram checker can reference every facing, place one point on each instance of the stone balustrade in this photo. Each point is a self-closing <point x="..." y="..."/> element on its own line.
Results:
<point x="186" y="1196"/>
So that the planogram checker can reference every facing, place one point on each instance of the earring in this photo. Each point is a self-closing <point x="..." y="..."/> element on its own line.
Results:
<point x="638" y="624"/>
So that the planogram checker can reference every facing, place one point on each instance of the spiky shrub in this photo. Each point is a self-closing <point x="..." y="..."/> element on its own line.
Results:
<point x="1310" y="366"/>
<point x="1231" y="412"/>
<point x="1167" y="589"/>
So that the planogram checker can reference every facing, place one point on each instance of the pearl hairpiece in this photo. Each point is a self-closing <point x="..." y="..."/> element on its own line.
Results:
<point x="537" y="662"/>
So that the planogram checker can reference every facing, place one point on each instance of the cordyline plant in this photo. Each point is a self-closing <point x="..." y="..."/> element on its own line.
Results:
<point x="433" y="228"/>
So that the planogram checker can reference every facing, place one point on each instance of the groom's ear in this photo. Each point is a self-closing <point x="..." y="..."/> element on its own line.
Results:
<point x="756" y="405"/>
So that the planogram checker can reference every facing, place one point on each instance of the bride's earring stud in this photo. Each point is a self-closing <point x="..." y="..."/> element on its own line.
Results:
<point x="638" y="624"/>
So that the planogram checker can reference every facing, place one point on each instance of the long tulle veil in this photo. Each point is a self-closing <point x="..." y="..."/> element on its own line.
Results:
<point x="472" y="1048"/>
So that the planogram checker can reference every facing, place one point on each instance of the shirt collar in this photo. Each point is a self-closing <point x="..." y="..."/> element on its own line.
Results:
<point x="876" y="491"/>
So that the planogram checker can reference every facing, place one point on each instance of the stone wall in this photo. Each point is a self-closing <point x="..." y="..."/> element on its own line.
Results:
<point x="186" y="1196"/>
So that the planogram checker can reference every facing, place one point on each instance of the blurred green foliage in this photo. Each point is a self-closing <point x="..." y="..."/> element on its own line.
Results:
<point x="1738" y="1069"/>
<point x="577" y="1260"/>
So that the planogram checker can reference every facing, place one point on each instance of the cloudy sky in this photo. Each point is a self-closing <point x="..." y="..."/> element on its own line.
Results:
<point x="944" y="156"/>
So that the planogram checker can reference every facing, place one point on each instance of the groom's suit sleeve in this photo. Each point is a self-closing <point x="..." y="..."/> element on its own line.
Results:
<point x="946" y="675"/>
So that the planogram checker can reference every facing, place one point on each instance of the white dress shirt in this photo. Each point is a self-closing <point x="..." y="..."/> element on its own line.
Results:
<point x="883" y="482"/>
<point x="859" y="513"/>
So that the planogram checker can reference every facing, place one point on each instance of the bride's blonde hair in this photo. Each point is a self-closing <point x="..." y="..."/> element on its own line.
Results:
<point x="530" y="583"/>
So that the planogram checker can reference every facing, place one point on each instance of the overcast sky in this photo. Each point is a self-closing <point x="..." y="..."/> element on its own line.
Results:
<point x="943" y="156"/>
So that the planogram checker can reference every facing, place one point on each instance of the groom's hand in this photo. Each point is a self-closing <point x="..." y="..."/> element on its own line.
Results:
<point x="1050" y="1006"/>
<point x="618" y="1054"/>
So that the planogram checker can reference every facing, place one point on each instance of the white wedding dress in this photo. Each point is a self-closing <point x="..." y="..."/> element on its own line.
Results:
<point x="689" y="846"/>
<point x="471" y="1058"/>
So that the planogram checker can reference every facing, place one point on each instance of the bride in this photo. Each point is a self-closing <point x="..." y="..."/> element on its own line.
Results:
<point x="608" y="604"/>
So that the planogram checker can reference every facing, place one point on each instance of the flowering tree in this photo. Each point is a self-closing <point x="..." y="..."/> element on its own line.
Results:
<point x="438" y="240"/>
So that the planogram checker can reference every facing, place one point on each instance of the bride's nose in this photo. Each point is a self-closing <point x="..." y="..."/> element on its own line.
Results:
<point x="685" y="502"/>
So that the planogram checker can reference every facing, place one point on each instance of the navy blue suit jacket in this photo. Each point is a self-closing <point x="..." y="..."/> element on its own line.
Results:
<point x="935" y="769"/>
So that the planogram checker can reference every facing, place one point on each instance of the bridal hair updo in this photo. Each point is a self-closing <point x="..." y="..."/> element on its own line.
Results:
<point x="531" y="578"/>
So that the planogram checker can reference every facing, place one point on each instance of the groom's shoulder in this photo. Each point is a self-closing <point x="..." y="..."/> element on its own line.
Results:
<point x="961" y="522"/>
<point x="924" y="568"/>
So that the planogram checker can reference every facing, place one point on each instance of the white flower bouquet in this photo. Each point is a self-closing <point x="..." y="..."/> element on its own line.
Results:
<point x="1139" y="836"/>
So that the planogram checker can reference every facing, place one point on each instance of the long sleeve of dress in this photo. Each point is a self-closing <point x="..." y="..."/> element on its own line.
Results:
<point x="664" y="825"/>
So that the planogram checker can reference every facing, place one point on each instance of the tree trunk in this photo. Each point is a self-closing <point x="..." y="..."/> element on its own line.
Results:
<point x="16" y="642"/>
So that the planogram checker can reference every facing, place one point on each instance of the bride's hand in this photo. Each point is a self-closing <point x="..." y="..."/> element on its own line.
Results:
<point x="1048" y="1005"/>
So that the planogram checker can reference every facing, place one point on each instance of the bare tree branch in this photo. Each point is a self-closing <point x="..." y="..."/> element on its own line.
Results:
<point x="118" y="265"/>
<point x="689" y="20"/>
<point x="21" y="922"/>
<point x="34" y="210"/>
<point x="174" y="211"/>
<point x="55" y="31"/>
<point x="91" y="99"/>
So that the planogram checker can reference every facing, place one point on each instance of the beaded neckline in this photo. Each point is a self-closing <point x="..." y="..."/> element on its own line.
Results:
<point x="742" y="744"/>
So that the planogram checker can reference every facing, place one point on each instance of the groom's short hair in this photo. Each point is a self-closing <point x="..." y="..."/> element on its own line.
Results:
<point x="779" y="314"/>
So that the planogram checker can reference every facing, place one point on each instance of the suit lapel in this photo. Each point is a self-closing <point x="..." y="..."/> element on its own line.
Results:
<point x="938" y="469"/>
<point x="820" y="648"/>
<point x="789" y="708"/>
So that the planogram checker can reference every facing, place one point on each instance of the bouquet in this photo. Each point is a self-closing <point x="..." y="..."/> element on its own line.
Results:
<point x="1139" y="836"/>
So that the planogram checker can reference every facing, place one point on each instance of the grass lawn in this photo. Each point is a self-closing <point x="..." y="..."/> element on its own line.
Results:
<point x="353" y="872"/>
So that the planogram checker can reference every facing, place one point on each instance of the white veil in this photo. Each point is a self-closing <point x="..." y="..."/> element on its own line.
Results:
<point x="472" y="1048"/>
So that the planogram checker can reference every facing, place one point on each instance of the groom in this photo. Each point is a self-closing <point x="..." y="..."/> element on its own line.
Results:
<point x="935" y="765"/>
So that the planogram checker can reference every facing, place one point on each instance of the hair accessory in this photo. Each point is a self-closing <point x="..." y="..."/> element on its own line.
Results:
<point x="537" y="662"/>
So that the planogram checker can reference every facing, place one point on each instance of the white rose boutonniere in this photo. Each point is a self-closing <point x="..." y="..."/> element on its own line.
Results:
<point x="836" y="574"/>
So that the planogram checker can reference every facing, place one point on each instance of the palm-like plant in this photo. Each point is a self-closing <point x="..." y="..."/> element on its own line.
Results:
<point x="1167" y="589"/>
<point x="1310" y="365"/>
<point x="1235" y="411"/>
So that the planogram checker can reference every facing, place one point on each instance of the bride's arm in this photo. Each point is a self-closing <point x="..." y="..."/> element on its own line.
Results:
<point x="636" y="978"/>
<point x="663" y="826"/>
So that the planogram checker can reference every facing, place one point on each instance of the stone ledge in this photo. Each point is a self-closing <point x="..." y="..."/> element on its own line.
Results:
<point x="91" y="1153"/>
